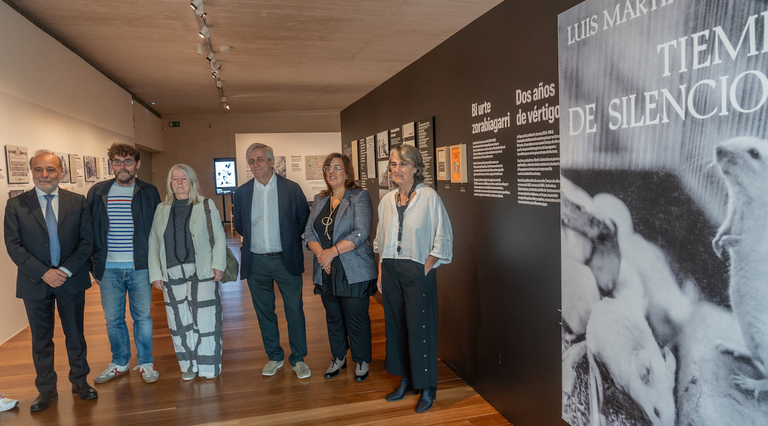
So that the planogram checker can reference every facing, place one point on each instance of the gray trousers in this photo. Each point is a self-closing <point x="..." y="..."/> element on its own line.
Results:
<point x="265" y="271"/>
<point x="410" y="318"/>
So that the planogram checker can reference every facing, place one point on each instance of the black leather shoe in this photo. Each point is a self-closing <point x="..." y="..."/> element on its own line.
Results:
<point x="43" y="401"/>
<point x="402" y="389"/>
<point x="85" y="391"/>
<point x="426" y="399"/>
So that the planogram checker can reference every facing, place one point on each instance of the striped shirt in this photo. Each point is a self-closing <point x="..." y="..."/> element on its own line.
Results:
<point x="120" y="235"/>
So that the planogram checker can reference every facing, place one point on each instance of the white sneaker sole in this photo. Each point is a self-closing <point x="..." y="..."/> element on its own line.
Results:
<point x="99" y="380"/>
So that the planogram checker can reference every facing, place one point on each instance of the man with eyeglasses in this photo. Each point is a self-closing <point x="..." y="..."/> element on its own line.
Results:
<point x="270" y="214"/>
<point x="123" y="209"/>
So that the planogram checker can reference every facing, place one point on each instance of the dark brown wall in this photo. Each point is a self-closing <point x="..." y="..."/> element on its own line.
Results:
<point x="500" y="297"/>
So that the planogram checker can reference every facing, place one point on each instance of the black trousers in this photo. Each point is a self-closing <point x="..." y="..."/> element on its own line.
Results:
<point x="410" y="318"/>
<point x="41" y="316"/>
<point x="348" y="326"/>
<point x="265" y="272"/>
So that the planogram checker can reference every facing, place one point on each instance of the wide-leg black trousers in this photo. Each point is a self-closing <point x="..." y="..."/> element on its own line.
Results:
<point x="410" y="318"/>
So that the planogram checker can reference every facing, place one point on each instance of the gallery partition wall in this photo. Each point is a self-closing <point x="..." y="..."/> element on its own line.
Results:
<point x="491" y="88"/>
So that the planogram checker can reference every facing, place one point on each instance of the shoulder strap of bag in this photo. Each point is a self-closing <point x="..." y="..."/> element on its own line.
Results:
<point x="208" y="220"/>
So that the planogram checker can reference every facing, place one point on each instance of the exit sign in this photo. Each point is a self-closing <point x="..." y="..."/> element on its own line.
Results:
<point x="174" y="124"/>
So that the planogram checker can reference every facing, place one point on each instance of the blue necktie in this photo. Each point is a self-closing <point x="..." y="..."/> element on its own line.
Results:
<point x="53" y="231"/>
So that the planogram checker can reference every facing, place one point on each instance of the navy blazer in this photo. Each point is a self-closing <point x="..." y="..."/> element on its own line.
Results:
<point x="26" y="239"/>
<point x="352" y="223"/>
<point x="292" y="210"/>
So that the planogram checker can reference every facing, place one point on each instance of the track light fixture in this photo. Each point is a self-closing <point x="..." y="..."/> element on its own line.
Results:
<point x="206" y="48"/>
<point x="200" y="12"/>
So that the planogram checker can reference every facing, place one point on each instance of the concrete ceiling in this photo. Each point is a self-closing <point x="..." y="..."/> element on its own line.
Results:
<point x="286" y="55"/>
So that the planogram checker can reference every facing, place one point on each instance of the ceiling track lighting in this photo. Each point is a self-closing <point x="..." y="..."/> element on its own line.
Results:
<point x="207" y="47"/>
<point x="205" y="32"/>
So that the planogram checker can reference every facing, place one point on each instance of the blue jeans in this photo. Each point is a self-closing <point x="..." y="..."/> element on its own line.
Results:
<point x="114" y="286"/>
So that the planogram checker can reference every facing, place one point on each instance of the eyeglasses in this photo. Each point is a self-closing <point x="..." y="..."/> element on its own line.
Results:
<point x="128" y="162"/>
<point x="327" y="169"/>
<point x="394" y="165"/>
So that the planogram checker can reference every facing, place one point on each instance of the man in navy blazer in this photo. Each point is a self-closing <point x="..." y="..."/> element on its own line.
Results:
<point x="270" y="214"/>
<point x="45" y="282"/>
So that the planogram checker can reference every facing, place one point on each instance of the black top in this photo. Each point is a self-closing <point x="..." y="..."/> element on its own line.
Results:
<point x="335" y="283"/>
<point x="179" y="248"/>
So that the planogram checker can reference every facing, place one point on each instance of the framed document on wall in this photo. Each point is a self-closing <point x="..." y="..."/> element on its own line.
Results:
<point x="17" y="161"/>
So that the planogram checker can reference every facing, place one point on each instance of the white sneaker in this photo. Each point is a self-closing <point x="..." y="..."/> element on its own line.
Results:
<point x="7" y="403"/>
<point x="110" y="373"/>
<point x="148" y="373"/>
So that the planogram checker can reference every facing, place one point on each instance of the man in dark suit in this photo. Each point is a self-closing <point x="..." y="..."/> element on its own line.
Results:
<point x="49" y="237"/>
<point x="270" y="214"/>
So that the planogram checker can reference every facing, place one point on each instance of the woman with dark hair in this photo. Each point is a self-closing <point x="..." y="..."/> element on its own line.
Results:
<point x="344" y="271"/>
<point x="186" y="263"/>
<point x="413" y="238"/>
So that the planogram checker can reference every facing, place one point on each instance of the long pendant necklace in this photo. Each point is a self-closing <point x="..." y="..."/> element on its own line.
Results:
<point x="327" y="221"/>
<point x="401" y="214"/>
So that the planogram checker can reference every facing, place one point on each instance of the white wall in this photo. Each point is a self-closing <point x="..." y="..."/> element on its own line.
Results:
<point x="289" y="144"/>
<point x="147" y="129"/>
<point x="50" y="98"/>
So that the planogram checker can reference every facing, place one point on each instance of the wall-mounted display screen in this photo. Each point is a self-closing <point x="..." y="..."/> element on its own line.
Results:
<point x="225" y="175"/>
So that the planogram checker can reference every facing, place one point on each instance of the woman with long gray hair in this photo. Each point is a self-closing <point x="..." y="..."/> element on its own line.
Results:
<point x="186" y="265"/>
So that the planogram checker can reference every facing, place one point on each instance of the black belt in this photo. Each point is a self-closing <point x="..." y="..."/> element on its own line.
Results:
<point x="277" y="253"/>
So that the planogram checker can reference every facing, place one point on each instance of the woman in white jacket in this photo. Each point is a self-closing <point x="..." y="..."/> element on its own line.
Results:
<point x="186" y="266"/>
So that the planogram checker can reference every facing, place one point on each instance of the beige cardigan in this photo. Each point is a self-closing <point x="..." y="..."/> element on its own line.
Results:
<point x="206" y="258"/>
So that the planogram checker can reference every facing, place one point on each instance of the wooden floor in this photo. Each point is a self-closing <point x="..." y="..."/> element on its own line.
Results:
<point x="241" y="395"/>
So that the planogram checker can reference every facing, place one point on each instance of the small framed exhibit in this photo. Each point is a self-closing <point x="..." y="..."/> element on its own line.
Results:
<point x="90" y="168"/>
<point x="385" y="177"/>
<point x="382" y="145"/>
<point x="73" y="168"/>
<point x="409" y="134"/>
<point x="355" y="156"/>
<point x="64" y="157"/>
<point x="459" y="163"/>
<point x="281" y="165"/>
<point x="442" y="153"/>
<point x="314" y="167"/>
<point x="225" y="175"/>
<point x="17" y="162"/>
